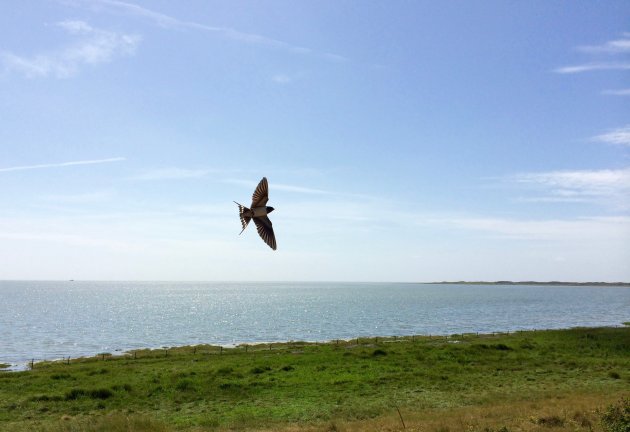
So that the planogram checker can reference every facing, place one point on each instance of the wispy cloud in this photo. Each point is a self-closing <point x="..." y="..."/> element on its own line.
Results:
<point x="62" y="164"/>
<point x="611" y="47"/>
<point x="83" y="198"/>
<point x="299" y="189"/>
<point x="171" y="174"/>
<point x="167" y="21"/>
<point x="280" y="186"/>
<point x="93" y="47"/>
<point x="580" y="185"/>
<point x="70" y="239"/>
<point x="617" y="92"/>
<point x="588" y="67"/>
<point x="281" y="78"/>
<point x="570" y="230"/>
<point x="620" y="136"/>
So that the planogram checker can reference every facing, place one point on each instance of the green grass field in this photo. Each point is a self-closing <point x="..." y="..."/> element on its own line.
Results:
<point x="494" y="381"/>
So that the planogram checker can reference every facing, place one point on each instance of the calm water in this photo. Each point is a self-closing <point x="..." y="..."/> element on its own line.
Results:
<point x="48" y="320"/>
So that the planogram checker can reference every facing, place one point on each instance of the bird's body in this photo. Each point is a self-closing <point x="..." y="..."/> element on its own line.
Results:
<point x="258" y="211"/>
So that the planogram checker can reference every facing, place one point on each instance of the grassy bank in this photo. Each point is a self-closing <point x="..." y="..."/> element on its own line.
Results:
<point x="521" y="381"/>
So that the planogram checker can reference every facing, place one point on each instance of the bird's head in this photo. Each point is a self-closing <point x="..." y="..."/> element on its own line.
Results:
<point x="269" y="209"/>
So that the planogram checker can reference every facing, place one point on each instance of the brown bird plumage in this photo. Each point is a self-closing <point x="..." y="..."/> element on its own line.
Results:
<point x="259" y="211"/>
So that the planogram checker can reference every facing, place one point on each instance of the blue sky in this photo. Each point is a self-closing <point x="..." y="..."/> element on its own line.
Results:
<point x="403" y="141"/>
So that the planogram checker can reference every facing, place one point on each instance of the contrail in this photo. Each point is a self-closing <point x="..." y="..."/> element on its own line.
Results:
<point x="62" y="164"/>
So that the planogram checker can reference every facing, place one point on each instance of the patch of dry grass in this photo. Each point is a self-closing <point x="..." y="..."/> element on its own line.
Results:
<point x="113" y="422"/>
<point x="570" y="413"/>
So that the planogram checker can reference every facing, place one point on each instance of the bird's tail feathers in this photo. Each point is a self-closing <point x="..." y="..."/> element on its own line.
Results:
<point x="244" y="219"/>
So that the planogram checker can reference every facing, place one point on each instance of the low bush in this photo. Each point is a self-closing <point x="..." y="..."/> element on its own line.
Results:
<point x="379" y="353"/>
<point x="616" y="418"/>
<point x="76" y="393"/>
<point x="550" y="421"/>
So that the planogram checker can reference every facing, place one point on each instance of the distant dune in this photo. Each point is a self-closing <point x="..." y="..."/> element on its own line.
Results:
<point x="550" y="283"/>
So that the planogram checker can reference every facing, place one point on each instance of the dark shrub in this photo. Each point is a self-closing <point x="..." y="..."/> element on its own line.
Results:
<point x="225" y="370"/>
<point x="101" y="393"/>
<point x="379" y="353"/>
<point x="501" y="347"/>
<point x="551" y="421"/>
<point x="614" y="375"/>
<point x="287" y="368"/>
<point x="616" y="418"/>
<point x="61" y="376"/>
<point x="75" y="394"/>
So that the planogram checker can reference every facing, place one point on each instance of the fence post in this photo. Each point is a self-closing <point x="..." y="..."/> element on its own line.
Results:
<point x="401" y="418"/>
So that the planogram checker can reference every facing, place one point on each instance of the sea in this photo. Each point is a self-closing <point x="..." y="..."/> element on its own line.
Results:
<point x="53" y="320"/>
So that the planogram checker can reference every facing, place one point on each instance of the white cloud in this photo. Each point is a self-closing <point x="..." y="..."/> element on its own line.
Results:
<point x="282" y="78"/>
<point x="617" y="46"/>
<point x="83" y="198"/>
<point x="167" y="21"/>
<point x="588" y="67"/>
<point x="611" y="47"/>
<point x="70" y="239"/>
<point x="299" y="189"/>
<point x="171" y="173"/>
<point x="613" y="186"/>
<point x="569" y="230"/>
<point x="94" y="46"/>
<point x="76" y="27"/>
<point x="617" y="92"/>
<point x="619" y="136"/>
<point x="279" y="186"/>
<point x="62" y="164"/>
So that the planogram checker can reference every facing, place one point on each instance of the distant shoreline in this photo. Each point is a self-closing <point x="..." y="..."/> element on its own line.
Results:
<point x="551" y="283"/>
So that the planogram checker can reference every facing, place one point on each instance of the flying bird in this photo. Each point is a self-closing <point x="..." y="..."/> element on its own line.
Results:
<point x="258" y="211"/>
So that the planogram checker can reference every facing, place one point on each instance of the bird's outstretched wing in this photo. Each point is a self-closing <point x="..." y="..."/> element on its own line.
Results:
<point x="261" y="194"/>
<point x="265" y="231"/>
